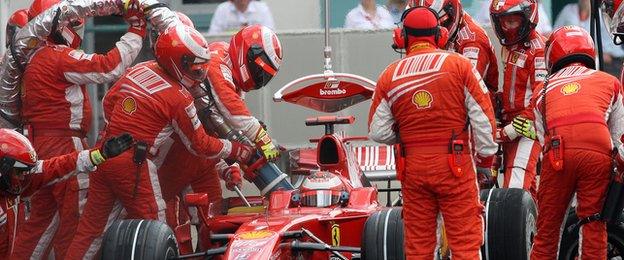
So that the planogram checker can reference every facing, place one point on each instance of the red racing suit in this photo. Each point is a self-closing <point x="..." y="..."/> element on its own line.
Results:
<point x="151" y="106"/>
<point x="524" y="68"/>
<point x="45" y="173"/>
<point x="473" y="43"/>
<point x="584" y="108"/>
<point x="57" y="113"/>
<point x="202" y="176"/>
<point x="199" y="176"/>
<point x="428" y="97"/>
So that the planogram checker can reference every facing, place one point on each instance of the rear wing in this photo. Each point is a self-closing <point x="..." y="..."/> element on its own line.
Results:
<point x="376" y="161"/>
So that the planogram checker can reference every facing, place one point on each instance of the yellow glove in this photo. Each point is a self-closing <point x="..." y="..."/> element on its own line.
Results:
<point x="524" y="127"/>
<point x="264" y="142"/>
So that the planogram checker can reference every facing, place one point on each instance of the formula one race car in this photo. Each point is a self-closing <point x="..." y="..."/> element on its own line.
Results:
<point x="334" y="213"/>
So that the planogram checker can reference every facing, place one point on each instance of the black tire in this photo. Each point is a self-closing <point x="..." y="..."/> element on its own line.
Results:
<point x="143" y="239"/>
<point x="388" y="224"/>
<point x="510" y="224"/>
<point x="570" y="240"/>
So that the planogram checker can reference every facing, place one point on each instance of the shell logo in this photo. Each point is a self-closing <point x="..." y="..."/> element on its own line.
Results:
<point x="129" y="105"/>
<point x="422" y="99"/>
<point x="570" y="88"/>
<point x="258" y="234"/>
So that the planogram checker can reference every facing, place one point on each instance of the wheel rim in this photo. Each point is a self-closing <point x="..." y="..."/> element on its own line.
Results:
<point x="615" y="249"/>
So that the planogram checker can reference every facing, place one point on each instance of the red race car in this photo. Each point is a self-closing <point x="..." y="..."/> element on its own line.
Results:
<point x="333" y="213"/>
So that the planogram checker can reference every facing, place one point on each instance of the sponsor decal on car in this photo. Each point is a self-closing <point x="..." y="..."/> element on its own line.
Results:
<point x="258" y="234"/>
<point x="335" y="235"/>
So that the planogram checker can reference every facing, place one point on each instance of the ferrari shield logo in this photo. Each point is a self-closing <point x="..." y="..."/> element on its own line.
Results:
<point x="422" y="99"/>
<point x="570" y="88"/>
<point x="129" y="105"/>
<point x="335" y="235"/>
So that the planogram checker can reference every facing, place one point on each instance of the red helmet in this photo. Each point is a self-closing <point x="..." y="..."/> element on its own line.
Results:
<point x="183" y="52"/>
<point x="17" y="20"/>
<point x="70" y="35"/>
<point x="420" y="24"/>
<point x="323" y="189"/>
<point x="450" y="13"/>
<point x="513" y="20"/>
<point x="613" y="13"/>
<point x="256" y="55"/>
<point x="17" y="156"/>
<point x="39" y="6"/>
<point x="569" y="44"/>
<point x="153" y="35"/>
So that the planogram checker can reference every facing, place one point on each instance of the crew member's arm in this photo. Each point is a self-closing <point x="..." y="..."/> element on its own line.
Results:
<point x="50" y="171"/>
<point x="616" y="120"/>
<point x="190" y="130"/>
<point x="236" y="113"/>
<point x="481" y="115"/>
<point x="477" y="53"/>
<point x="80" y="68"/>
<point x="381" y="122"/>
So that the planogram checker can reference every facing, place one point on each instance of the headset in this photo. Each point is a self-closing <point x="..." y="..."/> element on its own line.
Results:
<point x="401" y="34"/>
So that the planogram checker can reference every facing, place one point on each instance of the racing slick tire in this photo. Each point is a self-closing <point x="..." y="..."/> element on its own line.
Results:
<point x="568" y="248"/>
<point x="383" y="235"/>
<point x="139" y="239"/>
<point x="510" y="223"/>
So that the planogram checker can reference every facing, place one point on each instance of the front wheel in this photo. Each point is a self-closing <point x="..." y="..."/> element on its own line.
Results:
<point x="139" y="239"/>
<point x="383" y="235"/>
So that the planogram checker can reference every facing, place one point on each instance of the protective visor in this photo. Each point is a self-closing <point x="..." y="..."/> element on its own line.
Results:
<point x="195" y="67"/>
<point x="261" y="68"/>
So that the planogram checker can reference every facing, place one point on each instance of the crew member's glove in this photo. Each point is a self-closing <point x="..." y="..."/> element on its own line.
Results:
<point x="111" y="148"/>
<point x="240" y="152"/>
<point x="524" y="127"/>
<point x="231" y="174"/>
<point x="265" y="144"/>
<point x="485" y="170"/>
<point x="133" y="14"/>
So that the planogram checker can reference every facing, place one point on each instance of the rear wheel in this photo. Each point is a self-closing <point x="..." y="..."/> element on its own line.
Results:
<point x="570" y="240"/>
<point x="383" y="235"/>
<point x="510" y="223"/>
<point x="139" y="239"/>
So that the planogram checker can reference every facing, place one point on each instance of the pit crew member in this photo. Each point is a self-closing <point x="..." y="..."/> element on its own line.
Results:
<point x="579" y="118"/>
<point x="57" y="114"/>
<point x="150" y="102"/>
<point x="424" y="102"/>
<point x="21" y="174"/>
<point x="522" y="50"/>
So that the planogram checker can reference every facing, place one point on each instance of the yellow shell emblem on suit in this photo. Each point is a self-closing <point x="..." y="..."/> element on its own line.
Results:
<point x="129" y="105"/>
<point x="570" y="88"/>
<point x="422" y="99"/>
